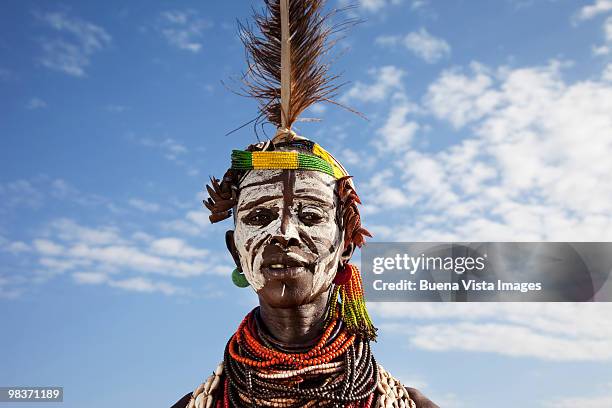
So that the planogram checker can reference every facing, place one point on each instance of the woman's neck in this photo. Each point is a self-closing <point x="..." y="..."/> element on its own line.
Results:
<point x="295" y="326"/>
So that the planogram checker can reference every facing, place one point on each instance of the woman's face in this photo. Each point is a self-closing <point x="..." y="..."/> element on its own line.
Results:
<point x="287" y="234"/>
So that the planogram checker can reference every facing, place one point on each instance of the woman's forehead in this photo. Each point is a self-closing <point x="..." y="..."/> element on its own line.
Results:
<point x="277" y="183"/>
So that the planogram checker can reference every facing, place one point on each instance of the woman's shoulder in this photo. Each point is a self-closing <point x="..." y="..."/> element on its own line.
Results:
<point x="182" y="403"/>
<point x="205" y="391"/>
<point x="391" y="392"/>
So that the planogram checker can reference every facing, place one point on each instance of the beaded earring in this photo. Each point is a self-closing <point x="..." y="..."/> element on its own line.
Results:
<point x="239" y="279"/>
<point x="349" y="288"/>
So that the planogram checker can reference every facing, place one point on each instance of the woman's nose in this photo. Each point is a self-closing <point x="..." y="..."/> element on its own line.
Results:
<point x="285" y="242"/>
<point x="287" y="234"/>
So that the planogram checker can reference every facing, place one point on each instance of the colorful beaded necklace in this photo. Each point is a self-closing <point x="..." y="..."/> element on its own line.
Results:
<point x="338" y="371"/>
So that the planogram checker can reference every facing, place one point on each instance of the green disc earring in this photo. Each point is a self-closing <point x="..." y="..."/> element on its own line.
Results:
<point x="239" y="279"/>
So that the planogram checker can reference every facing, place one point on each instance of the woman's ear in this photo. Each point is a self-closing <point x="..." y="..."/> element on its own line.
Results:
<point x="347" y="254"/>
<point x="231" y="246"/>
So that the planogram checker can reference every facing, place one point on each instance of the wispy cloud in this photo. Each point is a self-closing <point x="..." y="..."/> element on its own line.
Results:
<point x="421" y="43"/>
<point x="171" y="148"/>
<point x="373" y="6"/>
<point x="5" y="74"/>
<point x="604" y="400"/>
<point x="600" y="7"/>
<point x="387" y="79"/>
<point x="136" y="284"/>
<point x="106" y="254"/>
<point x="184" y="29"/>
<point x="605" y="48"/>
<point x="475" y="189"/>
<point x="193" y="223"/>
<point x="36" y="103"/>
<point x="114" y="108"/>
<point x="16" y="247"/>
<point x="144" y="206"/>
<point x="592" y="10"/>
<point x="32" y="193"/>
<point x="607" y="73"/>
<point x="547" y="331"/>
<point x="71" y="52"/>
<point x="398" y="132"/>
<point x="20" y="193"/>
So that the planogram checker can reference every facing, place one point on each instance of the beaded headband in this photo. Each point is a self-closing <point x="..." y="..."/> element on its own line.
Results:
<point x="319" y="160"/>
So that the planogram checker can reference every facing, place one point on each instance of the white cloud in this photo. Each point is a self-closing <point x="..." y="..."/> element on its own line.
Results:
<point x="71" y="53"/>
<point x="398" y="131"/>
<point x="145" y="285"/>
<point x="194" y="223"/>
<point x="606" y="47"/>
<point x="47" y="247"/>
<point x="318" y="109"/>
<point x="127" y="257"/>
<point x="20" y="193"/>
<point x="36" y="103"/>
<point x="33" y="193"/>
<point x="114" y="108"/>
<point x="462" y="98"/>
<point x="353" y="157"/>
<point x="607" y="74"/>
<point x="374" y="6"/>
<point x="595" y="9"/>
<point x="601" y="50"/>
<point x="69" y="231"/>
<point x="377" y="187"/>
<point x="90" y="278"/>
<point x="184" y="29"/>
<point x="175" y="247"/>
<point x="171" y="148"/>
<point x="424" y="45"/>
<point x="140" y="284"/>
<point x="69" y="246"/>
<point x="388" y="79"/>
<point x="56" y="266"/>
<point x="419" y="4"/>
<point x="14" y="248"/>
<point x="136" y="284"/>
<point x="547" y="331"/>
<point x="144" y="206"/>
<point x="596" y="401"/>
<point x="531" y="164"/>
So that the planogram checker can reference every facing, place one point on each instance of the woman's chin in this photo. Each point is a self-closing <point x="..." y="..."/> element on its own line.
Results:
<point x="285" y="293"/>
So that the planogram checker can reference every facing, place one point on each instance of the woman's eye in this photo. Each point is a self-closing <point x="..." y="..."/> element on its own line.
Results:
<point x="311" y="216"/>
<point x="260" y="216"/>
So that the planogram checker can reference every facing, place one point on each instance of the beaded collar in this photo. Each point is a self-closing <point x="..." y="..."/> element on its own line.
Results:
<point x="339" y="370"/>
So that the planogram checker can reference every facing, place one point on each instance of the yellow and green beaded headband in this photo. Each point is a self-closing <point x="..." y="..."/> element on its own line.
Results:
<point x="319" y="160"/>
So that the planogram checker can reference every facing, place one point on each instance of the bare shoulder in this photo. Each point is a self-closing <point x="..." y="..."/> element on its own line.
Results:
<point x="420" y="400"/>
<point x="390" y="391"/>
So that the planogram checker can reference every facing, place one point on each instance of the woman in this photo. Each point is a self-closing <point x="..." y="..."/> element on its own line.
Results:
<point x="296" y="226"/>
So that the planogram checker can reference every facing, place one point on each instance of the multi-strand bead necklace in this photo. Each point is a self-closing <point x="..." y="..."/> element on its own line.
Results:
<point x="338" y="371"/>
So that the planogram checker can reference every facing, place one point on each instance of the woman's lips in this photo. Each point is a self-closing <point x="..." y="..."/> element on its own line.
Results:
<point x="279" y="271"/>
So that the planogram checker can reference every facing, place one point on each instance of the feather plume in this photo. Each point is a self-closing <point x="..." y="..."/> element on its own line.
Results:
<point x="286" y="72"/>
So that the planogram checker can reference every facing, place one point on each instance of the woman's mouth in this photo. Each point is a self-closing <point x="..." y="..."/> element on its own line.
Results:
<point x="282" y="271"/>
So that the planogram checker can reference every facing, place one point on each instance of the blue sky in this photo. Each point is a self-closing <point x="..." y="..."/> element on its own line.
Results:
<point x="487" y="121"/>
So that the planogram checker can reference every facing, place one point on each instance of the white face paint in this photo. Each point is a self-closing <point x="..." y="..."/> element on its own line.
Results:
<point x="289" y="215"/>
